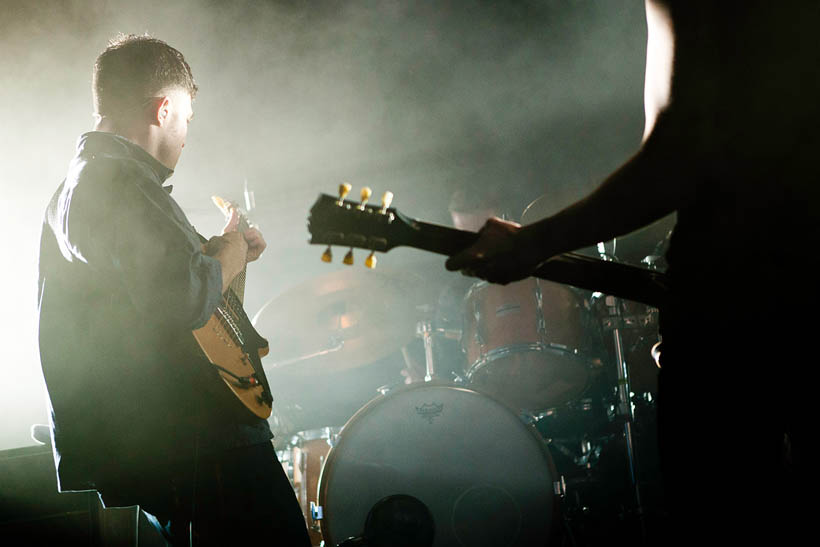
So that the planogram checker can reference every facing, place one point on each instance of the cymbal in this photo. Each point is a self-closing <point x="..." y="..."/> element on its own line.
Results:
<point x="342" y="320"/>
<point x="631" y="248"/>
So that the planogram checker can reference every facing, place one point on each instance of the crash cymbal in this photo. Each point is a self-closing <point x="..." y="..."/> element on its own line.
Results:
<point x="342" y="320"/>
<point x="631" y="248"/>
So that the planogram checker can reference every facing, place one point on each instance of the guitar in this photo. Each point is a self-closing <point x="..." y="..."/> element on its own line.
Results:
<point x="231" y="343"/>
<point x="338" y="221"/>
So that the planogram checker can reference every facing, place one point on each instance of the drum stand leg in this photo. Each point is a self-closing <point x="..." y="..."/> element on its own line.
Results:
<point x="625" y="406"/>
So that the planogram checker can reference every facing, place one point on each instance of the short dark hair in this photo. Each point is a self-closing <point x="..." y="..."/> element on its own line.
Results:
<point x="134" y="68"/>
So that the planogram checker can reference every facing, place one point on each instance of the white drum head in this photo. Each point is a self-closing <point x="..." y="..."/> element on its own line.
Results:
<point x="485" y="476"/>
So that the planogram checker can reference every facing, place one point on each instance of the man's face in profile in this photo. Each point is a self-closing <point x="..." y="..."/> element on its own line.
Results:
<point x="176" y="113"/>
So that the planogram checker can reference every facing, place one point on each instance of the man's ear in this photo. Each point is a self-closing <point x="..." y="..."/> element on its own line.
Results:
<point x="160" y="111"/>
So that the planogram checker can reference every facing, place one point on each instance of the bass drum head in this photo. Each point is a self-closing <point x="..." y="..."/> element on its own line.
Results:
<point x="485" y="476"/>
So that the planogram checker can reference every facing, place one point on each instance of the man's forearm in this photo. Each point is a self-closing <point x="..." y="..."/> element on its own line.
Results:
<point x="646" y="188"/>
<point x="230" y="269"/>
<point x="231" y="251"/>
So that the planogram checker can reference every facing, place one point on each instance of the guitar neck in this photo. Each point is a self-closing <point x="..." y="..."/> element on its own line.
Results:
<point x="238" y="284"/>
<point x="612" y="278"/>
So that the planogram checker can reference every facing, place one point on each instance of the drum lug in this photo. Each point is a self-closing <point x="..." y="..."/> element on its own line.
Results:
<point x="457" y="379"/>
<point x="560" y="487"/>
<point x="479" y="338"/>
<point x="316" y="511"/>
<point x="540" y="322"/>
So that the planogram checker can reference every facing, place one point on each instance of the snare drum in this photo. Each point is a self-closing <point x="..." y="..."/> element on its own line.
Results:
<point x="485" y="476"/>
<point x="523" y="342"/>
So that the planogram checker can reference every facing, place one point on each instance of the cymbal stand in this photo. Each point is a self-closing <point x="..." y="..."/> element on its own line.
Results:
<point x="614" y="323"/>
<point x="425" y="331"/>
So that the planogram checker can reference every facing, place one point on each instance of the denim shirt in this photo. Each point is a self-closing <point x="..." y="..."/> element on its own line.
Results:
<point x="122" y="283"/>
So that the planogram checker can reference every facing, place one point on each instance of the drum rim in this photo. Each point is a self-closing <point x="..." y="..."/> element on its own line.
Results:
<point x="327" y="469"/>
<point x="526" y="347"/>
<point x="475" y="287"/>
<point x="581" y="360"/>
<point x="481" y="285"/>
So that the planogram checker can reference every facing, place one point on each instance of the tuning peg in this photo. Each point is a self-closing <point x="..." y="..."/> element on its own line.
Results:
<point x="327" y="256"/>
<point x="371" y="260"/>
<point x="366" y="193"/>
<point x="344" y="190"/>
<point x="387" y="199"/>
<point x="348" y="259"/>
<point x="221" y="203"/>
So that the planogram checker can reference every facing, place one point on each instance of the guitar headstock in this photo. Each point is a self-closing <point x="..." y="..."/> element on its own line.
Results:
<point x="226" y="206"/>
<point x="360" y="225"/>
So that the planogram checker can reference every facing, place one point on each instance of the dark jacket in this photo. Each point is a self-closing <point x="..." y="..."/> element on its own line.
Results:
<point x="123" y="281"/>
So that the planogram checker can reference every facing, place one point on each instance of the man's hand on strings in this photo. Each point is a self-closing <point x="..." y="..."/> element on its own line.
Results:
<point x="253" y="237"/>
<point x="502" y="254"/>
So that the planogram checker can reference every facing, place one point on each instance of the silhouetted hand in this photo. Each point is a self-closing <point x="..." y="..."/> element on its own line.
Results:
<point x="503" y="253"/>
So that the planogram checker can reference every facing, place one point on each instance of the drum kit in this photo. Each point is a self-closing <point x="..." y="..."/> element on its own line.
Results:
<point x="523" y="422"/>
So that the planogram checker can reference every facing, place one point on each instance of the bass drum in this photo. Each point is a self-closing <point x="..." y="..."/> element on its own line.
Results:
<point x="486" y="477"/>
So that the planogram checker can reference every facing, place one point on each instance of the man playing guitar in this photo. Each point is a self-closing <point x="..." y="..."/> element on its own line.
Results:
<point x="138" y="412"/>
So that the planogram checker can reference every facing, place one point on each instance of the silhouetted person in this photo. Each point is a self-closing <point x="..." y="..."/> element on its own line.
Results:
<point x="731" y="145"/>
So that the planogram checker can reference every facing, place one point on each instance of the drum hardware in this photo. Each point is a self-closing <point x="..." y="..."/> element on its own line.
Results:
<point x="286" y="461"/>
<point x="303" y="460"/>
<point x="427" y="332"/>
<point x="512" y="349"/>
<point x="560" y="487"/>
<point x="479" y="339"/>
<point x="656" y="262"/>
<point x="638" y="325"/>
<point x="328" y="434"/>
<point x="424" y="329"/>
<point x="316" y="515"/>
<point x="625" y="407"/>
<point x="334" y="344"/>
<point x="574" y="420"/>
<point x="540" y="321"/>
<point x="590" y="453"/>
<point x="584" y="453"/>
<point x="632" y="321"/>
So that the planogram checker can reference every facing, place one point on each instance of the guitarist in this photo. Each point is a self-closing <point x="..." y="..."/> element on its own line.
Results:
<point x="138" y="413"/>
<point x="731" y="144"/>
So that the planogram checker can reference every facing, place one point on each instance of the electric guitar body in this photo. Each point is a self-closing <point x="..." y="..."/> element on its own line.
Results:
<point x="234" y="347"/>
